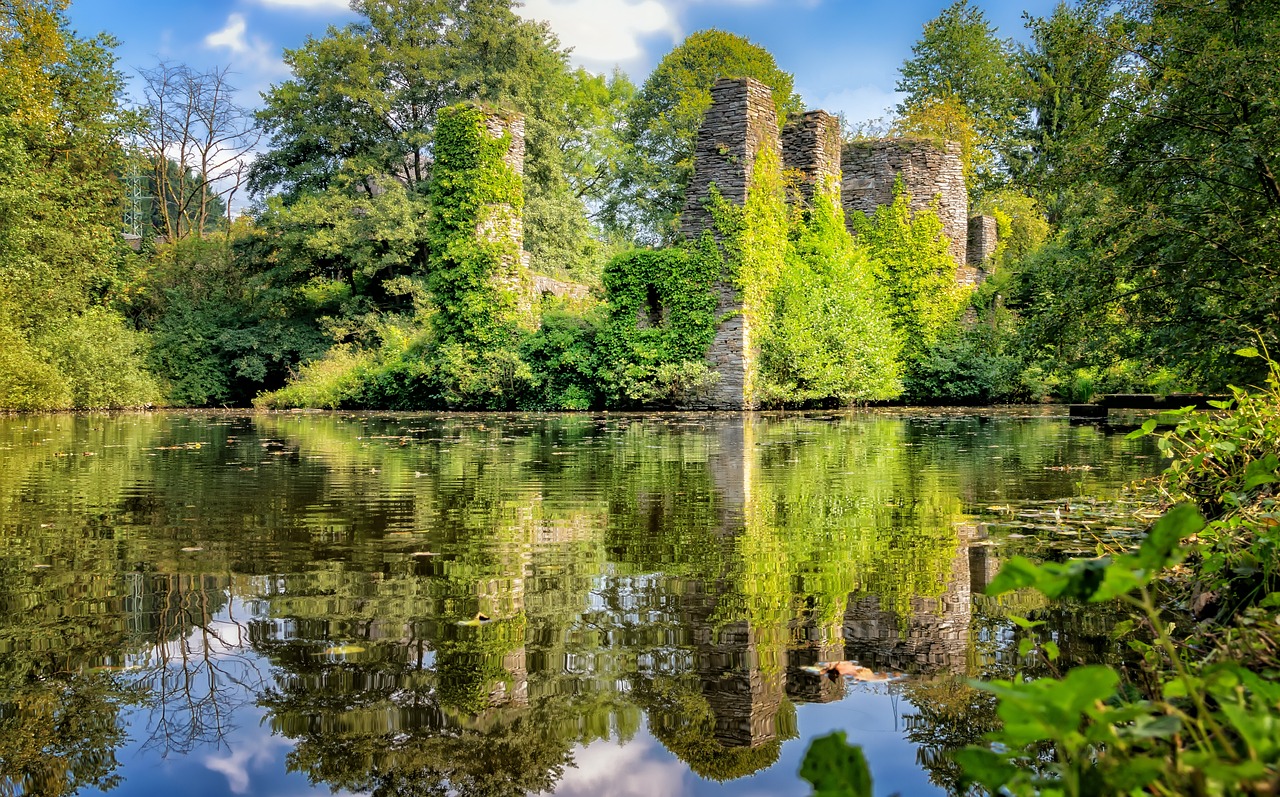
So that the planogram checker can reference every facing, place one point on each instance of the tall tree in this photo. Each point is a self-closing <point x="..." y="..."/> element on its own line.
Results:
<point x="662" y="126"/>
<point x="959" y="55"/>
<point x="1175" y="208"/>
<point x="197" y="141"/>
<point x="363" y="100"/>
<point x="1076" y="60"/>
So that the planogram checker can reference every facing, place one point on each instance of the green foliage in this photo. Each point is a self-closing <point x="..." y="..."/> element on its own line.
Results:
<point x="101" y="361"/>
<point x="564" y="355"/>
<point x="959" y="56"/>
<point x="912" y="261"/>
<point x="662" y="127"/>
<point x="1193" y="722"/>
<point x="661" y="320"/>
<point x="28" y="381"/>
<point x="476" y="199"/>
<point x="830" y="335"/>
<point x="1165" y="185"/>
<point x="835" y="768"/>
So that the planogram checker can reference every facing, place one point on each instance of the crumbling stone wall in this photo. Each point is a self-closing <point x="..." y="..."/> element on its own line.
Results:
<point x="741" y="123"/>
<point x="811" y="149"/>
<point x="930" y="173"/>
<point x="982" y="246"/>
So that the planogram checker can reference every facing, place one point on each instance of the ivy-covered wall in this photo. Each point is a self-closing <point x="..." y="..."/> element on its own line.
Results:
<point x="474" y="233"/>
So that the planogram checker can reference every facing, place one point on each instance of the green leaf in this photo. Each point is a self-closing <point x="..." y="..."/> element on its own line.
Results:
<point x="1158" y="546"/>
<point x="1023" y="622"/>
<point x="1051" y="649"/>
<point x="1148" y="427"/>
<point x="1248" y="351"/>
<point x="836" y="768"/>
<point x="1261" y="471"/>
<point x="1148" y="727"/>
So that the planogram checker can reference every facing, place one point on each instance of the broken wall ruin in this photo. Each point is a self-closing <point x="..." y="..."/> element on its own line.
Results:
<point x="931" y="174"/>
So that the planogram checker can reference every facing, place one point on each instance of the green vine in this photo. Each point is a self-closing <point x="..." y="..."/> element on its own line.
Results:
<point x="476" y="198"/>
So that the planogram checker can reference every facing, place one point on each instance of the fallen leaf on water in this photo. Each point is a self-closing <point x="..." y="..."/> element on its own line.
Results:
<point x="424" y="553"/>
<point x="192" y="549"/>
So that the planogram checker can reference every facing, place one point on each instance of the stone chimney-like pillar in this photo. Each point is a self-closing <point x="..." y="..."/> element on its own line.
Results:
<point x="811" y="147"/>
<point x="741" y="123"/>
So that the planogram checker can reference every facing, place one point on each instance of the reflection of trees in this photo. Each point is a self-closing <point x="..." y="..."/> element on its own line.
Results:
<point x="59" y="734"/>
<point x="455" y="603"/>
<point x="195" y="671"/>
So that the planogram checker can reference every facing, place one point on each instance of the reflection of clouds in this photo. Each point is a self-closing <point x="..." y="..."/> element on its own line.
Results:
<point x="606" y="769"/>
<point x="251" y="752"/>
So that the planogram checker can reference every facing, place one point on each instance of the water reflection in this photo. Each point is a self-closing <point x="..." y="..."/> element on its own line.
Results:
<point x="480" y="604"/>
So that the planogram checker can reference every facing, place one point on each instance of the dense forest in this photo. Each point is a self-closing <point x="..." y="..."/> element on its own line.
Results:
<point x="1128" y="154"/>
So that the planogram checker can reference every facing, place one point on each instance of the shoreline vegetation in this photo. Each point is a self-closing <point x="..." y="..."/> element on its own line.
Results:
<point x="1136" y="208"/>
<point x="1195" y="709"/>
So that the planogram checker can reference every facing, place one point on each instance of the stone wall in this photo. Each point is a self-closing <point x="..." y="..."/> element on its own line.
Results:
<point x="811" y="148"/>
<point x="930" y="173"/>
<point x="982" y="246"/>
<point x="741" y="123"/>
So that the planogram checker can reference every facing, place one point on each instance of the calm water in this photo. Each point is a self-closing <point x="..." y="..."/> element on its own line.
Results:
<point x="210" y="604"/>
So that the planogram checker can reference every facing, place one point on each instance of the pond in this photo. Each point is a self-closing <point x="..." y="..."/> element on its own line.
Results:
<point x="222" y="603"/>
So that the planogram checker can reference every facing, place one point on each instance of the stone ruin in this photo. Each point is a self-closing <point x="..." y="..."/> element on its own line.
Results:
<point x="741" y="124"/>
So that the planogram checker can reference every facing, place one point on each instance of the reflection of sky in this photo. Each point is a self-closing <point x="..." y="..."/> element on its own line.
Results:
<point x="870" y="717"/>
<point x="251" y="763"/>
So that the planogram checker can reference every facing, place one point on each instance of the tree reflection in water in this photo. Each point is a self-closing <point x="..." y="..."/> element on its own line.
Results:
<point x="440" y="605"/>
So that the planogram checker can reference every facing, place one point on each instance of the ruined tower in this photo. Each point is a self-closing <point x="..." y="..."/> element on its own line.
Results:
<point x="811" y="150"/>
<point x="741" y="123"/>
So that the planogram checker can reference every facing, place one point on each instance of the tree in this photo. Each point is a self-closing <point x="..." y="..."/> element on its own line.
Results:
<point x="363" y="100"/>
<point x="959" y="56"/>
<point x="662" y="127"/>
<point x="1077" y="59"/>
<point x="1175" y="201"/>
<point x="197" y="141"/>
<point x="61" y="123"/>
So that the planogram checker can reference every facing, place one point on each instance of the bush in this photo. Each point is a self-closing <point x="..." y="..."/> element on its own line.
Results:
<point x="102" y="361"/>
<point x="28" y="381"/>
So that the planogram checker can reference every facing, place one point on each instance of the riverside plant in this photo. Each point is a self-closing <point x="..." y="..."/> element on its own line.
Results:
<point x="1199" y="711"/>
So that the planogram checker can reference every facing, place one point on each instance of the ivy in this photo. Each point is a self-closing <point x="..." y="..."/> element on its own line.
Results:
<point x="662" y="319"/>
<point x="475" y="198"/>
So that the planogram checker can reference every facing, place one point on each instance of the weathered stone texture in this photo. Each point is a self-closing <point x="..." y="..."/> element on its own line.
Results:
<point x="811" y="147"/>
<point x="741" y="123"/>
<point x="982" y="246"/>
<point x="929" y="173"/>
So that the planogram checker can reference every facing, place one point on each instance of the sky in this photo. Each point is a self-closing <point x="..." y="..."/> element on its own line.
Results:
<point x="845" y="54"/>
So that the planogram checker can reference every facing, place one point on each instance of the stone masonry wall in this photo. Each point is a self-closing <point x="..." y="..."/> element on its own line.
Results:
<point x="929" y="173"/>
<point x="741" y="123"/>
<point x="811" y="147"/>
<point x="982" y="245"/>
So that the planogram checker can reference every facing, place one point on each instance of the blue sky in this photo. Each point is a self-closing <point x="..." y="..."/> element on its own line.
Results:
<point x="844" y="53"/>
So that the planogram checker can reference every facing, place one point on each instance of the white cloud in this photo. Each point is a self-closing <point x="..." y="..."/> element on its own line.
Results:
<point x="249" y="54"/>
<point x="604" y="32"/>
<point x="636" y="769"/>
<point x="246" y="756"/>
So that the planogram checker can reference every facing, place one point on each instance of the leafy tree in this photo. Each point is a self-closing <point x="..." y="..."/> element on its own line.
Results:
<point x="1076" y="60"/>
<point x="944" y="119"/>
<point x="1172" y="218"/>
<point x="363" y="103"/>
<point x="912" y="261"/>
<point x="959" y="56"/>
<point x="830" y="335"/>
<point x="662" y="126"/>
<point x="61" y="124"/>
